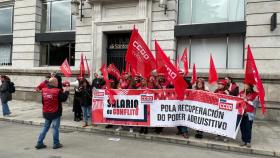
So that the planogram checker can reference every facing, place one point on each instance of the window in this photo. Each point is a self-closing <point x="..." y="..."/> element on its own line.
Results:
<point x="56" y="16"/>
<point x="227" y="51"/>
<point x="5" y="54"/>
<point x="210" y="11"/>
<point x="6" y="16"/>
<point x="54" y="53"/>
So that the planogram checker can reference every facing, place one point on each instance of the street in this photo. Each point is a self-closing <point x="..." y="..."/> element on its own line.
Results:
<point x="18" y="141"/>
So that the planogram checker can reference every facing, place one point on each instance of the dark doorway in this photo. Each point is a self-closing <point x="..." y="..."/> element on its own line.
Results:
<point x="116" y="49"/>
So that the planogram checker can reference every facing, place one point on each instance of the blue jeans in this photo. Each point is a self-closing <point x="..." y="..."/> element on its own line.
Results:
<point x="86" y="113"/>
<point x="55" y="124"/>
<point x="5" y="109"/>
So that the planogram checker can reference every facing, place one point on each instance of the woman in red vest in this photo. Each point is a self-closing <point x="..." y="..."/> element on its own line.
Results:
<point x="252" y="100"/>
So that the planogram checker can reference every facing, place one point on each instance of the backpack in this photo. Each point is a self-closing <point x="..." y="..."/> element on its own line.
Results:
<point x="12" y="88"/>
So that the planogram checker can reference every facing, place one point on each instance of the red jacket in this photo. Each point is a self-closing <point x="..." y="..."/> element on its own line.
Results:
<point x="250" y="98"/>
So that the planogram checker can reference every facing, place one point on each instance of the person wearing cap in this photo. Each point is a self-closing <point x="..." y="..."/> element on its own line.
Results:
<point x="222" y="87"/>
<point x="252" y="101"/>
<point x="52" y="98"/>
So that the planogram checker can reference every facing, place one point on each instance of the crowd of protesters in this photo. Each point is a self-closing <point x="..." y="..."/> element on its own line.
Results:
<point x="158" y="81"/>
<point x="52" y="87"/>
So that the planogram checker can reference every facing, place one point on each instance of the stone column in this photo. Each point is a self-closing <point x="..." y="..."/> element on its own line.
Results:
<point x="27" y="17"/>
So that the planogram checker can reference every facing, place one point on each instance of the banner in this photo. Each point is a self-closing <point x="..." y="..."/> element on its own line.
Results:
<point x="209" y="112"/>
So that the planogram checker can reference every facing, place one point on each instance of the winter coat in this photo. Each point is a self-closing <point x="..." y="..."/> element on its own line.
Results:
<point x="85" y="96"/>
<point x="76" y="103"/>
<point x="98" y="83"/>
<point x="4" y="92"/>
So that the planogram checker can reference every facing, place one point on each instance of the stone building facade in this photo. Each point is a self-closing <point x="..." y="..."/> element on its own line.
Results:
<point x="37" y="30"/>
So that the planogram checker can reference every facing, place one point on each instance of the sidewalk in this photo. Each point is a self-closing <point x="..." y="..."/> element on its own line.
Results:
<point x="266" y="135"/>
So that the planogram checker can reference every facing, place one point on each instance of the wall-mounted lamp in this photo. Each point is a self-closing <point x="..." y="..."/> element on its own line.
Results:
<point x="77" y="8"/>
<point x="163" y="4"/>
<point x="273" y="22"/>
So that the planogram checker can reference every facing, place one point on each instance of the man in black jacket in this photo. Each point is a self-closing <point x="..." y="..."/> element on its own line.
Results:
<point x="5" y="95"/>
<point x="52" y="98"/>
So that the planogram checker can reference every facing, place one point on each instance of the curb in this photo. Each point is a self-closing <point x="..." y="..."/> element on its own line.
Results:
<point x="158" y="138"/>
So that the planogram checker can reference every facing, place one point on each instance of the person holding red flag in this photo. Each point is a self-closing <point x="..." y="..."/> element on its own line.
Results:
<point x="252" y="100"/>
<point x="251" y="97"/>
<point x="171" y="72"/>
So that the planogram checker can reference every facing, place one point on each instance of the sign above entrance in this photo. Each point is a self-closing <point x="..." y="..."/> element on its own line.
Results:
<point x="118" y="42"/>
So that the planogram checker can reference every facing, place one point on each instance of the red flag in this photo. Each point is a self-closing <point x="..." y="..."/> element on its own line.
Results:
<point x="65" y="69"/>
<point x="252" y="76"/>
<point x="184" y="58"/>
<point x="114" y="71"/>
<point x="213" y="76"/>
<point x="104" y="72"/>
<point x="82" y="66"/>
<point x="194" y="77"/>
<point x="139" y="56"/>
<point x="88" y="69"/>
<point x="171" y="72"/>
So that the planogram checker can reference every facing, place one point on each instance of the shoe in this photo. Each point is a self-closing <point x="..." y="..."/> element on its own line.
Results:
<point x="248" y="145"/>
<point x="199" y="136"/>
<point x="109" y="126"/>
<point x="145" y="131"/>
<point x="243" y="144"/>
<point x="40" y="146"/>
<point x="119" y="128"/>
<point x="85" y="125"/>
<point x="57" y="146"/>
<point x="130" y="130"/>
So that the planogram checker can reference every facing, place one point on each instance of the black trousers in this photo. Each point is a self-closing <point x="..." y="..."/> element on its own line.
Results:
<point x="246" y="129"/>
